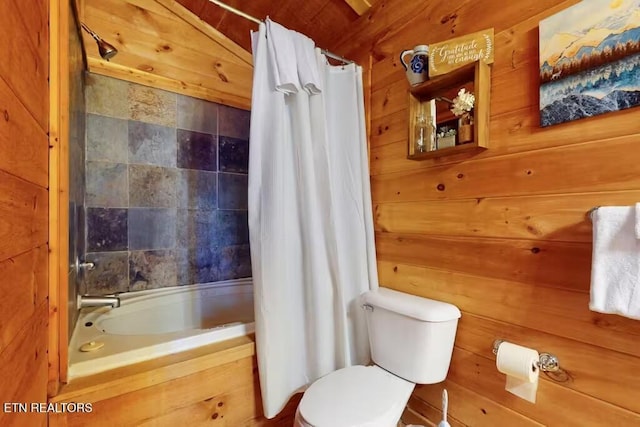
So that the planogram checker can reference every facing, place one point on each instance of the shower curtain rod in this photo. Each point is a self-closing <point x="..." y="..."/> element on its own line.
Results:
<point x="257" y="21"/>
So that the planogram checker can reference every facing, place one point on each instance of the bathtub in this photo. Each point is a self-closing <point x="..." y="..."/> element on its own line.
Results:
<point x="157" y="322"/>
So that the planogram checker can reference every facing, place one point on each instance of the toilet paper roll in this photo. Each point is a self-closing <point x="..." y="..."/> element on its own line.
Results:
<point x="519" y="364"/>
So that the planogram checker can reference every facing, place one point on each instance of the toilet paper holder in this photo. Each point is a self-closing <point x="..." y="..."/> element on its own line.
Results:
<point x="547" y="362"/>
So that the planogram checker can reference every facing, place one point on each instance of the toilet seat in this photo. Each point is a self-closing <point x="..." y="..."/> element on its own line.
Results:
<point x="358" y="396"/>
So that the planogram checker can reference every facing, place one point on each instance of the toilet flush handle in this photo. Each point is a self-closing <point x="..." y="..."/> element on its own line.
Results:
<point x="367" y="307"/>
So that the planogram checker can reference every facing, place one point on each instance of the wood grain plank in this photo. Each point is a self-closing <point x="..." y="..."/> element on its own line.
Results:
<point x="143" y="52"/>
<point x="511" y="90"/>
<point x="177" y="48"/>
<point x="110" y="69"/>
<point x="206" y="29"/>
<point x="130" y="378"/>
<point x="516" y="53"/>
<point x="159" y="48"/>
<point x="387" y="71"/>
<point x="412" y="416"/>
<point x="26" y="275"/>
<point x="389" y="99"/>
<point x="542" y="263"/>
<point x="34" y="19"/>
<point x="393" y="97"/>
<point x="230" y="384"/>
<point x="513" y="46"/>
<point x="468" y="407"/>
<point x="23" y="369"/>
<point x="475" y="333"/>
<point x="445" y="21"/>
<point x="425" y="413"/>
<point x="285" y="418"/>
<point x="147" y="20"/>
<point x="561" y="217"/>
<point x="387" y="17"/>
<point x="359" y="6"/>
<point x="391" y="158"/>
<point x="233" y="26"/>
<point x="61" y="42"/>
<point x="389" y="129"/>
<point x="170" y="49"/>
<point x="31" y="390"/>
<point x="508" y="93"/>
<point x="518" y="88"/>
<point x="555" y="404"/>
<point x="224" y="394"/>
<point x="592" y="166"/>
<point x="23" y="216"/>
<point x="519" y="43"/>
<point x="519" y="130"/>
<point x="150" y="17"/>
<point x="140" y="6"/>
<point x="542" y="181"/>
<point x="24" y="124"/>
<point x="513" y="132"/>
<point x="482" y="90"/>
<point x="24" y="65"/>
<point x="206" y="412"/>
<point x="554" y="311"/>
<point x="23" y="143"/>
<point x="194" y="6"/>
<point x="201" y="413"/>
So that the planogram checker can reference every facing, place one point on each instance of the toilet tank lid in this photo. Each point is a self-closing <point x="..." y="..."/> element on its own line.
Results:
<point x="424" y="309"/>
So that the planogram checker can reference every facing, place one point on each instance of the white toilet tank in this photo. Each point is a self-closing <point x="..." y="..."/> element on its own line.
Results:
<point x="410" y="336"/>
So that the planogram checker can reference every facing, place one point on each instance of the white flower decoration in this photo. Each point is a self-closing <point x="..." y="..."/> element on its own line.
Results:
<point x="463" y="102"/>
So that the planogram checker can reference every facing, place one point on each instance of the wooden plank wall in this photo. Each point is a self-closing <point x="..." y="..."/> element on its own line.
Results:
<point x="24" y="146"/>
<point x="161" y="44"/>
<point x="503" y="234"/>
<point x="215" y="385"/>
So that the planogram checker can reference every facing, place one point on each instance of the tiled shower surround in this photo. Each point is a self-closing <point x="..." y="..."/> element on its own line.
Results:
<point x="166" y="190"/>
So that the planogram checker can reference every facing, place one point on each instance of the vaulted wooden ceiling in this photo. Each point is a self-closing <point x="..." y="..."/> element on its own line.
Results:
<point x="322" y="20"/>
<point x="196" y="48"/>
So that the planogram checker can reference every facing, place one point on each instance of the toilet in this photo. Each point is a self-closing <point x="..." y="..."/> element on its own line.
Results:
<point x="411" y="343"/>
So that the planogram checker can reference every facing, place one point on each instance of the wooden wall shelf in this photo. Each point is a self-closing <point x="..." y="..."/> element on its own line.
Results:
<point x="476" y="78"/>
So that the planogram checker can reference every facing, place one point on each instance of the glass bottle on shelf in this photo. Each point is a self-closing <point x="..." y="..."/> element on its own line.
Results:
<point x="424" y="134"/>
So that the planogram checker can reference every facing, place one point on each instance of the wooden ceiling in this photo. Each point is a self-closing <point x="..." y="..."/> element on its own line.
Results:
<point x="162" y="44"/>
<point x="322" y="20"/>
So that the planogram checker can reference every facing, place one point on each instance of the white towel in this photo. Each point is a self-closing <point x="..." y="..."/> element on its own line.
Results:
<point x="615" y="269"/>
<point x="637" y="220"/>
<point x="282" y="51"/>
<point x="307" y="63"/>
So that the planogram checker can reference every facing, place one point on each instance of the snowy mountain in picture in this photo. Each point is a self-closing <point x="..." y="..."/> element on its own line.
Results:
<point x="589" y="60"/>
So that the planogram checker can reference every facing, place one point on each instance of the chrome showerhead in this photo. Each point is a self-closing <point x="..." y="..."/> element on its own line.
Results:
<point x="106" y="50"/>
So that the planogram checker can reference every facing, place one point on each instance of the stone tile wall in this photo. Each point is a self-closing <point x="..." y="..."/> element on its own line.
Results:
<point x="166" y="197"/>
<point x="77" y="183"/>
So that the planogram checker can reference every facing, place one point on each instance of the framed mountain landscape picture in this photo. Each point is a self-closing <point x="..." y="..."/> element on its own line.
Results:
<point x="589" y="60"/>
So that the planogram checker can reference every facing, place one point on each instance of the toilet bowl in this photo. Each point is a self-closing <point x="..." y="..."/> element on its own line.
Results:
<point x="411" y="342"/>
<point x="362" y="396"/>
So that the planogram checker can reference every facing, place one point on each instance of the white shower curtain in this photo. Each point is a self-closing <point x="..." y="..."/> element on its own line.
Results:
<point x="310" y="218"/>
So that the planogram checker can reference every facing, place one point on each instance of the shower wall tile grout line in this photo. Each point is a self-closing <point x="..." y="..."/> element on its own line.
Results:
<point x="189" y="223"/>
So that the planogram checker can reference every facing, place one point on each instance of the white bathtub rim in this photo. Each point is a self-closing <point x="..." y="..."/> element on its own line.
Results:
<point x="132" y="296"/>
<point x="143" y="299"/>
<point x="142" y="354"/>
<point x="123" y="350"/>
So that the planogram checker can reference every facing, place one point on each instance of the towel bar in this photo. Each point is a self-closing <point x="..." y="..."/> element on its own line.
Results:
<point x="592" y="211"/>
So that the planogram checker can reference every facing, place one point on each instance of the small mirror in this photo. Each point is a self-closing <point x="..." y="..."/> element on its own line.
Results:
<point x="454" y="116"/>
<point x="441" y="119"/>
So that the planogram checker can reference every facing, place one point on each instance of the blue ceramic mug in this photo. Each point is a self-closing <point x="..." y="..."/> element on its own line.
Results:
<point x="417" y="68"/>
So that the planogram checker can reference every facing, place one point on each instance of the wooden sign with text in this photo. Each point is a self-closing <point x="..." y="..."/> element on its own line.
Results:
<point x="451" y="54"/>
